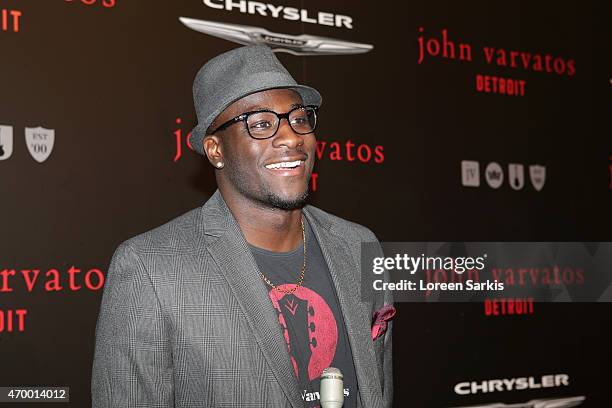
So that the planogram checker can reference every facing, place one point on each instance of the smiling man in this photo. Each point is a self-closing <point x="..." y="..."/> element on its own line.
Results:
<point x="246" y="300"/>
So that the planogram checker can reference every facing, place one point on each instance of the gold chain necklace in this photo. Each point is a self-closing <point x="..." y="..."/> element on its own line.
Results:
<point x="301" y="280"/>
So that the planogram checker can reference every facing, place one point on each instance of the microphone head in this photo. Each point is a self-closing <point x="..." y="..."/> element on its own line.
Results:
<point x="332" y="372"/>
<point x="332" y="388"/>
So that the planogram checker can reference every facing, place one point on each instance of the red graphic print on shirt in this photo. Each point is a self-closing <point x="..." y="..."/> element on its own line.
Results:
<point x="318" y="336"/>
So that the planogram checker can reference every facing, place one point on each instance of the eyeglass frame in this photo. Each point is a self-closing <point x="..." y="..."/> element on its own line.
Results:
<point x="244" y="116"/>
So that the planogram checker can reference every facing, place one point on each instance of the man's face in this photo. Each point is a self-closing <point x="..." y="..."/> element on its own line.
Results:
<point x="247" y="161"/>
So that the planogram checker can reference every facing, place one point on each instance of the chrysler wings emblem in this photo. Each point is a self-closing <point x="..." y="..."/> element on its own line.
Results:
<point x="293" y="44"/>
<point x="537" y="403"/>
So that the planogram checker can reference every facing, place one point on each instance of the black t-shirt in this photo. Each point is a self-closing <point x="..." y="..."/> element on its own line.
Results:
<point x="311" y="318"/>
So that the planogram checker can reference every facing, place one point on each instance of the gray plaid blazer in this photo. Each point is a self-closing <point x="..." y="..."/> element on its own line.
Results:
<point x="186" y="320"/>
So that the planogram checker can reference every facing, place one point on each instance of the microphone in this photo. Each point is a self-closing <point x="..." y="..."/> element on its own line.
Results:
<point x="332" y="388"/>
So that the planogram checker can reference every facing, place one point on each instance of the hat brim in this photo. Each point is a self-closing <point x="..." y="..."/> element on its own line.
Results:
<point x="309" y="95"/>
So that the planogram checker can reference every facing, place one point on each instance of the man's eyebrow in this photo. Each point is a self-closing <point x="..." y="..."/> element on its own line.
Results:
<point x="255" y="108"/>
<point x="263" y="108"/>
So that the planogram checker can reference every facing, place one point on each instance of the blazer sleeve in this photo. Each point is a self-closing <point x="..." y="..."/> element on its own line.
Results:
<point x="132" y="364"/>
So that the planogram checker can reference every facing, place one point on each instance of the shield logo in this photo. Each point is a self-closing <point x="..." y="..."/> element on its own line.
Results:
<point x="516" y="176"/>
<point x="537" y="174"/>
<point x="40" y="142"/>
<point x="6" y="142"/>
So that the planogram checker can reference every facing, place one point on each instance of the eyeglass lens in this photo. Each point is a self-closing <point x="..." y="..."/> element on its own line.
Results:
<point x="265" y="124"/>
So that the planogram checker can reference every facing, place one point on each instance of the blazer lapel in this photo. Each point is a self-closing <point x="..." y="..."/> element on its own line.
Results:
<point x="233" y="257"/>
<point x="357" y="315"/>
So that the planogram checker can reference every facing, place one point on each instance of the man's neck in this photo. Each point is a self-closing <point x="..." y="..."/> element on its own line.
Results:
<point x="267" y="227"/>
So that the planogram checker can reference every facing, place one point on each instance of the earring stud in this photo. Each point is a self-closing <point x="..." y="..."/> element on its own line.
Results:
<point x="219" y="164"/>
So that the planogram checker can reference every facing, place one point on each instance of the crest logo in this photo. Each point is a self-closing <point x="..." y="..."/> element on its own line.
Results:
<point x="40" y="142"/>
<point x="494" y="175"/>
<point x="293" y="44"/>
<point x="6" y="142"/>
<point x="516" y="176"/>
<point x="537" y="174"/>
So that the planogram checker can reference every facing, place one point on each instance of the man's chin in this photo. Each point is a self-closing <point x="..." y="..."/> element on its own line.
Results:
<point x="287" y="203"/>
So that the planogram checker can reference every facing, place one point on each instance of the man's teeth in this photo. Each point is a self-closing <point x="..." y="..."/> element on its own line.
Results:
<point x="284" y="165"/>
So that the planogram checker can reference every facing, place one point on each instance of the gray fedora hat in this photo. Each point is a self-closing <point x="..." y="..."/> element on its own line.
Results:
<point x="235" y="74"/>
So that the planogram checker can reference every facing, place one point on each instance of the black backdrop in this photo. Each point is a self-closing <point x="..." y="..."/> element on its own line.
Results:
<point x="113" y="80"/>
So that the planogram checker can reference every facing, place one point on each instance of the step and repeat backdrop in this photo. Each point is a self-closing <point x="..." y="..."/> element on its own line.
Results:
<point x="441" y="121"/>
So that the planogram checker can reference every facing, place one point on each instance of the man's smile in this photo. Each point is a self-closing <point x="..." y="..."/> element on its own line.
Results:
<point x="291" y="166"/>
<point x="284" y="165"/>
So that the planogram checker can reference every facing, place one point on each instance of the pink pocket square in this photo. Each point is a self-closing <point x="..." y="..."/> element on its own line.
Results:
<point x="380" y="319"/>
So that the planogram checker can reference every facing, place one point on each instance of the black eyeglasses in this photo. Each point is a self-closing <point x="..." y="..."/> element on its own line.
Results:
<point x="263" y="124"/>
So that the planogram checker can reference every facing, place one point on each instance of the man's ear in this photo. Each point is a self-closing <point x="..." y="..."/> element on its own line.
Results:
<point x="213" y="149"/>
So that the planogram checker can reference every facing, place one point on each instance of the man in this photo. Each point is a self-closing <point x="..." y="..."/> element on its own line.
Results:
<point x="244" y="301"/>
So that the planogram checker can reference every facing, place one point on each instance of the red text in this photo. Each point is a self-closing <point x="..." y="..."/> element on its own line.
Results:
<point x="9" y="20"/>
<point x="499" y="85"/>
<point x="12" y="320"/>
<point x="504" y="307"/>
<point x="51" y="280"/>
<point x="105" y="3"/>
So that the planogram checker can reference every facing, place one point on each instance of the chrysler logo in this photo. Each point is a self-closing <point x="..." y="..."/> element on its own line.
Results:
<point x="293" y="44"/>
<point x="566" y="402"/>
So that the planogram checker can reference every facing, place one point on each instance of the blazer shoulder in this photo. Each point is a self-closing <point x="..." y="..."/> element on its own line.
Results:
<point x="180" y="234"/>
<point x="343" y="226"/>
